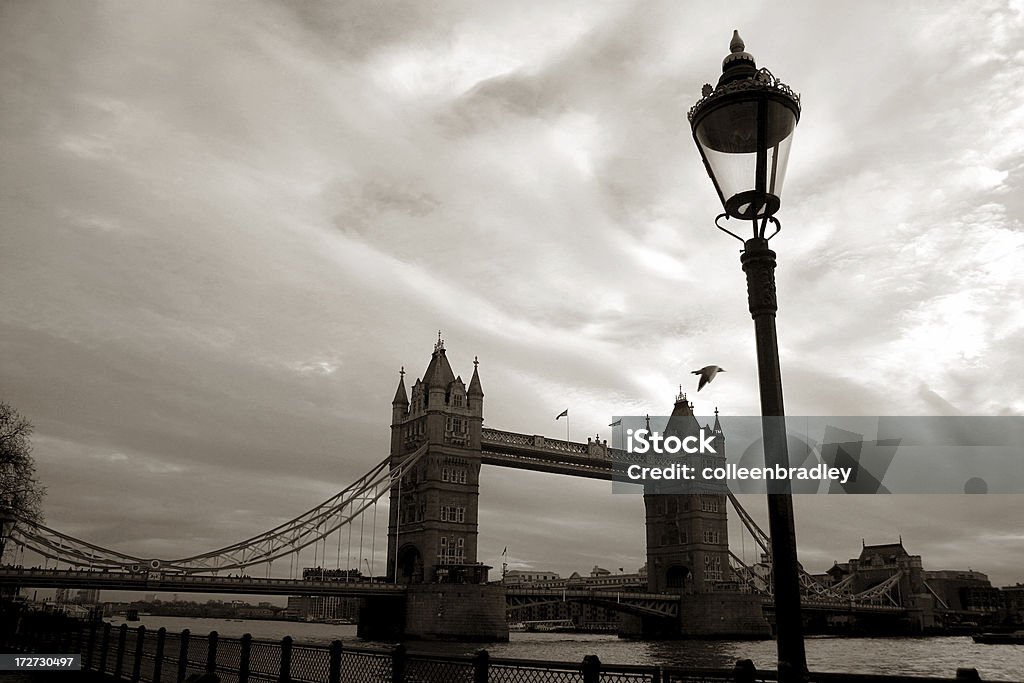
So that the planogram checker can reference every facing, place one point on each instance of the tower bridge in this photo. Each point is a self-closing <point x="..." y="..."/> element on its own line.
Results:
<point x="435" y="586"/>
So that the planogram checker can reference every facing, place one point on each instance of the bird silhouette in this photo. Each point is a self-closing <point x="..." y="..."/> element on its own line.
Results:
<point x="707" y="373"/>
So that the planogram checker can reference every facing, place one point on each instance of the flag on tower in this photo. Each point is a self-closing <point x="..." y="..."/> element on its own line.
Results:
<point x="564" y="413"/>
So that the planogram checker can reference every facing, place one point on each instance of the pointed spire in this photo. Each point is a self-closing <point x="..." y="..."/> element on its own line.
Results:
<point x="401" y="398"/>
<point x="475" y="389"/>
<point x="438" y="374"/>
<point x="718" y="425"/>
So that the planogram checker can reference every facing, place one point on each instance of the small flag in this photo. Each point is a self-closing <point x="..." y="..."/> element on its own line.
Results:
<point x="616" y="423"/>
<point x="564" y="413"/>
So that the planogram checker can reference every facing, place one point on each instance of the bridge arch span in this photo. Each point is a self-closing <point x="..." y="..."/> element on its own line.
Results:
<point x="410" y="564"/>
<point x="676" y="577"/>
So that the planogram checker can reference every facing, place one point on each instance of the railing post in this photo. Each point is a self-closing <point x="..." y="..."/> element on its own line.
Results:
<point x="244" y="652"/>
<point x="140" y="642"/>
<point x="122" y="637"/>
<point x="77" y="638"/>
<point x="158" y="658"/>
<point x="61" y="631"/>
<point x="591" y="669"/>
<point x="398" y="664"/>
<point x="90" y="648"/>
<point x="965" y="674"/>
<point x="183" y="656"/>
<point x="286" y="660"/>
<point x="211" y="653"/>
<point x="744" y="671"/>
<point x="333" y="664"/>
<point x="657" y="676"/>
<point x="104" y="647"/>
<point x="481" y="666"/>
<point x="67" y="638"/>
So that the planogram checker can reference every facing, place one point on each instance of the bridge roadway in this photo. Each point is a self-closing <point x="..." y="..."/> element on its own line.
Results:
<point x="661" y="604"/>
<point x="541" y="454"/>
<point x="190" y="583"/>
<point x="654" y="604"/>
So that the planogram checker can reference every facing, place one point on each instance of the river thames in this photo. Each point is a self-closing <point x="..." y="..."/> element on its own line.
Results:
<point x="938" y="656"/>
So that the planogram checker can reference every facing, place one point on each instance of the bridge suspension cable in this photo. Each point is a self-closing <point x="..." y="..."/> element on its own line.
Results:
<point x="286" y="539"/>
<point x="809" y="586"/>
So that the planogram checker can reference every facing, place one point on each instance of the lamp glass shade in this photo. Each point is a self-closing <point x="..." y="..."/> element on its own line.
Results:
<point x="745" y="142"/>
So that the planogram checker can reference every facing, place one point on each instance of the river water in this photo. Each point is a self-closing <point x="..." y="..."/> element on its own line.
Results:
<point x="907" y="656"/>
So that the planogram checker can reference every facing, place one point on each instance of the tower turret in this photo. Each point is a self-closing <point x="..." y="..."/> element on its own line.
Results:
<point x="475" y="403"/>
<point x="719" y="435"/>
<point x="399" y="412"/>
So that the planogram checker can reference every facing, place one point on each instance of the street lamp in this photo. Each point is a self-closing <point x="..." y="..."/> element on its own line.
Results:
<point x="743" y="128"/>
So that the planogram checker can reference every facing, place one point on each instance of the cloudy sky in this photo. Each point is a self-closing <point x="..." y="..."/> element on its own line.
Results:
<point x="226" y="226"/>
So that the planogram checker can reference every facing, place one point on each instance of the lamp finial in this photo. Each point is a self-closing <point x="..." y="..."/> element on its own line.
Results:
<point x="736" y="45"/>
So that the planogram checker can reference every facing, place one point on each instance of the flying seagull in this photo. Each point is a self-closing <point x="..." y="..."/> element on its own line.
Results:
<point x="707" y="373"/>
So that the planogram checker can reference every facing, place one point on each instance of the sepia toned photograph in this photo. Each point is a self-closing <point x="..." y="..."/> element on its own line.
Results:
<point x="333" y="331"/>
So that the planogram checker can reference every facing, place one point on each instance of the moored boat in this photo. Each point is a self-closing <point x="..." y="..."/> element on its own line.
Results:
<point x="1015" y="638"/>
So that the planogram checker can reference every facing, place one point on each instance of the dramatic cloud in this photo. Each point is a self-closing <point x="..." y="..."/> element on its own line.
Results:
<point x="225" y="228"/>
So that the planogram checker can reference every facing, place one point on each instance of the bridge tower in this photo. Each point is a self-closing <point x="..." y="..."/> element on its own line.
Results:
<point x="688" y="533"/>
<point x="688" y="549"/>
<point x="432" y="530"/>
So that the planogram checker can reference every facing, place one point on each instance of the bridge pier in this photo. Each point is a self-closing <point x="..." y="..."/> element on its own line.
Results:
<point x="452" y="611"/>
<point x="732" y="615"/>
<point x="439" y="611"/>
<point x="382" y="618"/>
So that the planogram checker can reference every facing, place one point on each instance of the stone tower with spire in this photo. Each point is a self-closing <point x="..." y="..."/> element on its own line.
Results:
<point x="687" y="533"/>
<point x="432" y="530"/>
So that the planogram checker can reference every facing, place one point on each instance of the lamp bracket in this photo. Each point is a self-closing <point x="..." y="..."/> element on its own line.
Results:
<point x="726" y="230"/>
<point x="775" y="222"/>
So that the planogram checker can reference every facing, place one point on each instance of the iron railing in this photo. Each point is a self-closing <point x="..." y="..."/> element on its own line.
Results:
<point x="141" y="655"/>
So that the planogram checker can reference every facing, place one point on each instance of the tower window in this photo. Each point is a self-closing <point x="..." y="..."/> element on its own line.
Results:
<point x="709" y="504"/>
<point x="453" y="513"/>
<point x="712" y="568"/>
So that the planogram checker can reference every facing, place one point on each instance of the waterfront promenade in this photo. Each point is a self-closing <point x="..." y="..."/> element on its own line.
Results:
<point x="155" y="655"/>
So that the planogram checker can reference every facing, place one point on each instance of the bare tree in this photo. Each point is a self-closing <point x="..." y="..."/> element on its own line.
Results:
<point x="21" y="494"/>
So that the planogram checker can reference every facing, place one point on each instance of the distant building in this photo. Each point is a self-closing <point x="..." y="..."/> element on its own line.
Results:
<point x="582" y="615"/>
<point x="518" y="577"/>
<point x="964" y="590"/>
<point x="1013" y="602"/>
<point x="321" y="608"/>
<point x="878" y="563"/>
<point x="598" y="578"/>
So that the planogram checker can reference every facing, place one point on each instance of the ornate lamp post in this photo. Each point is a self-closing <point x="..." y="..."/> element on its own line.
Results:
<point x="743" y="128"/>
